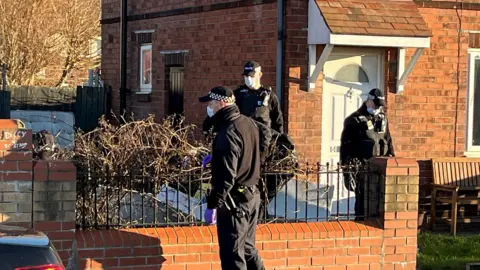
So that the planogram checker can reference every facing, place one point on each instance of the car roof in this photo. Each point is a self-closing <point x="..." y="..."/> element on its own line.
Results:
<point x="15" y="235"/>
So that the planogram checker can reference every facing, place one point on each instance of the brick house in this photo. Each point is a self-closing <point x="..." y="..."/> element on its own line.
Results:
<point x="425" y="54"/>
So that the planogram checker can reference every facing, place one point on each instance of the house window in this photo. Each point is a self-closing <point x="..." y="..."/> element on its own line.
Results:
<point x="351" y="73"/>
<point x="473" y="101"/>
<point x="146" y="68"/>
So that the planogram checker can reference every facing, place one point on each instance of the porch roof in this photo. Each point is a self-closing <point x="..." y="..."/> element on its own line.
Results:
<point x="366" y="23"/>
<point x="394" y="23"/>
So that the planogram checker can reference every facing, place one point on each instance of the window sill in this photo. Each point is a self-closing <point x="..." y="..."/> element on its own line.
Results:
<point x="472" y="154"/>
<point x="143" y="96"/>
<point x="144" y="92"/>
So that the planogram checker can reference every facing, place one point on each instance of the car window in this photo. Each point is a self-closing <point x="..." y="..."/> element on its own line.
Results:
<point x="12" y="256"/>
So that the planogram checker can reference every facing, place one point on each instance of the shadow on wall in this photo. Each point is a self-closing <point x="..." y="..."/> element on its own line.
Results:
<point x="426" y="176"/>
<point x="118" y="248"/>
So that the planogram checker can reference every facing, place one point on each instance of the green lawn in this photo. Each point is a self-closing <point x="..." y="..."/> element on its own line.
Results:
<point x="445" y="252"/>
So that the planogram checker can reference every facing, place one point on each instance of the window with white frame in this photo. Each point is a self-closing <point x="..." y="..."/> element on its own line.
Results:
<point x="146" y="68"/>
<point x="473" y="103"/>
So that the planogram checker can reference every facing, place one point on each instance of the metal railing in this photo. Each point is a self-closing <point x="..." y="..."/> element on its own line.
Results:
<point x="319" y="193"/>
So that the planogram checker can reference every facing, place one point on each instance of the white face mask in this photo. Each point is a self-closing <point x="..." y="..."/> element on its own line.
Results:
<point x="209" y="111"/>
<point x="249" y="81"/>
<point x="373" y="111"/>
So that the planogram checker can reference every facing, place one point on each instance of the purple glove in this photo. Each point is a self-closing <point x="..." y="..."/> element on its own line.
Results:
<point x="211" y="216"/>
<point x="207" y="159"/>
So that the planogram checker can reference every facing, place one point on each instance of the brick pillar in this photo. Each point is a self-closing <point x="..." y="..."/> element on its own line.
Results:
<point x="54" y="198"/>
<point x="399" y="211"/>
<point x="36" y="194"/>
<point x="16" y="168"/>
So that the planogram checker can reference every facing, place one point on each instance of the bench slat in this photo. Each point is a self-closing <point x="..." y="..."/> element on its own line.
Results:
<point x="477" y="174"/>
<point x="461" y="174"/>
<point x="451" y="172"/>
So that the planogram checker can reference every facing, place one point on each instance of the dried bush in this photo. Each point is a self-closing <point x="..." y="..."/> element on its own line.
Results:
<point x="141" y="156"/>
<point x="161" y="150"/>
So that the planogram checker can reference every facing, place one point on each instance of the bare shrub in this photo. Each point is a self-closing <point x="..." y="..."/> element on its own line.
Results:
<point x="140" y="157"/>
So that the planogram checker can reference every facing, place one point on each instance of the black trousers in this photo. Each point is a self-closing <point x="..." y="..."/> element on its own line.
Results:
<point x="356" y="183"/>
<point x="360" y="200"/>
<point x="236" y="237"/>
<point x="269" y="187"/>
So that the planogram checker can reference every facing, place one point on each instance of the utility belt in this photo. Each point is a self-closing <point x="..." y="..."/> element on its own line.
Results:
<point x="242" y="194"/>
<point x="239" y="195"/>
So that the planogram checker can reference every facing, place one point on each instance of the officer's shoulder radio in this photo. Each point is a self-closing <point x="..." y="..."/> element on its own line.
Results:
<point x="265" y="93"/>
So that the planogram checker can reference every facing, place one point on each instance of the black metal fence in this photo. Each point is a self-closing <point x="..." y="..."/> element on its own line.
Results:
<point x="322" y="193"/>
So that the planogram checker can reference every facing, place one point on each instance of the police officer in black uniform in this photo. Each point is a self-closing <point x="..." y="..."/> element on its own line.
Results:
<point x="256" y="101"/>
<point x="234" y="200"/>
<point x="261" y="104"/>
<point x="365" y="135"/>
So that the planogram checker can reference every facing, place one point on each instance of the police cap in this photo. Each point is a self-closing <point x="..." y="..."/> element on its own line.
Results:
<point x="250" y="68"/>
<point x="220" y="93"/>
<point x="377" y="96"/>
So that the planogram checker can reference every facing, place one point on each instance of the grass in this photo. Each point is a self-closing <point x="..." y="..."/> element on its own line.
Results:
<point x="445" y="252"/>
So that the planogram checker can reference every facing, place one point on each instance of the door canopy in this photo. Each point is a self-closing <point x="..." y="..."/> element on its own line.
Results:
<point x="369" y="23"/>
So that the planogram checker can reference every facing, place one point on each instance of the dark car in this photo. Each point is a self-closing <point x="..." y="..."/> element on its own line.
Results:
<point x="27" y="249"/>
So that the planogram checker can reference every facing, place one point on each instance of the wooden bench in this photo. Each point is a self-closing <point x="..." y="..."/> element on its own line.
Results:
<point x="455" y="178"/>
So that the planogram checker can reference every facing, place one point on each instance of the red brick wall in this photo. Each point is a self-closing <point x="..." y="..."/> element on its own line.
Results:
<point x="111" y="8"/>
<point x="303" y="109"/>
<point x="219" y="44"/>
<point x="429" y="118"/>
<point x="323" y="245"/>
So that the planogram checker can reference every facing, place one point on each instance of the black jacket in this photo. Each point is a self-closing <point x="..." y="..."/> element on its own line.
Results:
<point x="235" y="155"/>
<point x="261" y="105"/>
<point x="362" y="137"/>
<point x="251" y="103"/>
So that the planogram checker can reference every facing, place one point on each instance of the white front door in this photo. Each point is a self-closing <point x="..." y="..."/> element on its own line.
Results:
<point x="349" y="76"/>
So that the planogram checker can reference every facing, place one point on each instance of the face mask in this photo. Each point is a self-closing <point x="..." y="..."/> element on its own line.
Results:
<point x="373" y="111"/>
<point x="249" y="81"/>
<point x="209" y="111"/>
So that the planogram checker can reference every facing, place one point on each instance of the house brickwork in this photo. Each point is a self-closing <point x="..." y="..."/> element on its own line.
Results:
<point x="427" y="120"/>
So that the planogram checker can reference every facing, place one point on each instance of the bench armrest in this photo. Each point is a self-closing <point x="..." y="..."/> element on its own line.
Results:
<point x="445" y="188"/>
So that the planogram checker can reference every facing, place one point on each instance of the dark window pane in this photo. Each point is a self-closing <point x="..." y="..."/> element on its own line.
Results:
<point x="476" y="104"/>
<point x="175" y="93"/>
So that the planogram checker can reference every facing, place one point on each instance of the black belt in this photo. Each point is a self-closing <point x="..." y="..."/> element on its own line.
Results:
<point x="240" y="189"/>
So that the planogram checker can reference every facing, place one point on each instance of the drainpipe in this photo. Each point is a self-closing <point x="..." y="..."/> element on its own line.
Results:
<point x="123" y="56"/>
<point x="280" y="49"/>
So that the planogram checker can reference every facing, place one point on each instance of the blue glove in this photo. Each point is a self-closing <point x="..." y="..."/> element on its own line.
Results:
<point x="207" y="159"/>
<point x="211" y="216"/>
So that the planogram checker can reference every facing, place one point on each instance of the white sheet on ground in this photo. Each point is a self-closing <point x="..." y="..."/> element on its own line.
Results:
<point x="322" y="200"/>
<point x="317" y="205"/>
<point x="194" y="207"/>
